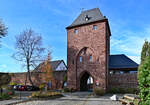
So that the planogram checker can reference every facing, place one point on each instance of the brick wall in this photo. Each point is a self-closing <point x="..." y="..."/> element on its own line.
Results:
<point x="38" y="78"/>
<point x="123" y="81"/>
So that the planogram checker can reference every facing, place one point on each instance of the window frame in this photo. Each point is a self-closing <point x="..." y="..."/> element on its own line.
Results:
<point x="75" y="31"/>
<point x="90" y="58"/>
<point x="94" y="27"/>
<point x="80" y="59"/>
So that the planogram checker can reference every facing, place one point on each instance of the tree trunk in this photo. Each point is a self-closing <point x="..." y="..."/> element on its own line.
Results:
<point x="28" y="68"/>
<point x="29" y="74"/>
<point x="26" y="79"/>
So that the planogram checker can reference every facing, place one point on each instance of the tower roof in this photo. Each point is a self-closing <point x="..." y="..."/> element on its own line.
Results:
<point x="88" y="16"/>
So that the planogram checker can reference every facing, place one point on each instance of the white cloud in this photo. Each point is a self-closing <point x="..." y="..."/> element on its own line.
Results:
<point x="129" y="42"/>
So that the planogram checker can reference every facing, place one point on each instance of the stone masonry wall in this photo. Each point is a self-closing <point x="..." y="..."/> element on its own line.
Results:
<point x="123" y="81"/>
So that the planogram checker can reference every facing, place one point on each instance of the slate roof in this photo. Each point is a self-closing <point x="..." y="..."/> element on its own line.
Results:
<point x="93" y="14"/>
<point x="117" y="62"/>
<point x="54" y="65"/>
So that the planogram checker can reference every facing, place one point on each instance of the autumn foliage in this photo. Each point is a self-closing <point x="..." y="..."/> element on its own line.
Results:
<point x="47" y="71"/>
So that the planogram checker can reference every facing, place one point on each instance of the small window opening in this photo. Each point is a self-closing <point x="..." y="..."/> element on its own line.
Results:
<point x="90" y="58"/>
<point x="95" y="27"/>
<point x="76" y="31"/>
<point x="80" y="59"/>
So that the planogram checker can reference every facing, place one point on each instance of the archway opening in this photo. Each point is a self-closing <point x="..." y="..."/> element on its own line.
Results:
<point x="86" y="82"/>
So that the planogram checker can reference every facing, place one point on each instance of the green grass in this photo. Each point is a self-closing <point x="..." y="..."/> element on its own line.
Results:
<point x="136" y="101"/>
<point x="5" y="96"/>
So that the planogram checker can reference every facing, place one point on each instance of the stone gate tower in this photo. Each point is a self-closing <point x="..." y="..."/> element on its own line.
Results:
<point x="88" y="44"/>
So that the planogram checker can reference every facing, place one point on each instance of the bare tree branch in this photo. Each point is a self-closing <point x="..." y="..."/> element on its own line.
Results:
<point x="29" y="49"/>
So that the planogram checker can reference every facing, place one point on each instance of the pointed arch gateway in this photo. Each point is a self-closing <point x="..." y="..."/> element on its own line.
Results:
<point x="86" y="81"/>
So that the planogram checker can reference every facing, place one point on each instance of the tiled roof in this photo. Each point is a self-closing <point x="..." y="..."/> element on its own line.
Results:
<point x="121" y="62"/>
<point x="92" y="14"/>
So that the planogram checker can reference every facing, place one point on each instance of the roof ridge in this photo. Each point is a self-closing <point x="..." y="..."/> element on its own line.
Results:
<point x="56" y="60"/>
<point x="116" y="54"/>
<point x="90" y="9"/>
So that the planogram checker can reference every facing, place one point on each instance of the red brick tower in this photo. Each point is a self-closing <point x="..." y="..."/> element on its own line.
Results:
<point x="88" y="44"/>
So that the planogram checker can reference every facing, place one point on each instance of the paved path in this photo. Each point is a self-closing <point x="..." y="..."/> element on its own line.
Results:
<point x="78" y="98"/>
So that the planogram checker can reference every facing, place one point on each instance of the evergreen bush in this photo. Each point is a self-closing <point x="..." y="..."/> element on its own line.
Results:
<point x="144" y="82"/>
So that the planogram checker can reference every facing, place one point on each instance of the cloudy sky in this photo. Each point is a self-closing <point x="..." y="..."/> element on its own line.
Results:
<point x="128" y="19"/>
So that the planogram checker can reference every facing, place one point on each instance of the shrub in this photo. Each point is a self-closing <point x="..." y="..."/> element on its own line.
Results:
<point x="132" y="90"/>
<point x="113" y="90"/>
<point x="69" y="90"/>
<point x="144" y="82"/>
<point x="123" y="90"/>
<point x="73" y="90"/>
<point x="99" y="91"/>
<point x="42" y="86"/>
<point x="47" y="94"/>
<point x="5" y="96"/>
<point x="66" y="90"/>
<point x="12" y="83"/>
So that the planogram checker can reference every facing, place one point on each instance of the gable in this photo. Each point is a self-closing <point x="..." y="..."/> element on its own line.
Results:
<point x="61" y="67"/>
<point x="57" y="65"/>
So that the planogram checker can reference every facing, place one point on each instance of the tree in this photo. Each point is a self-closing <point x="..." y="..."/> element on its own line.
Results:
<point x="48" y="72"/>
<point x="144" y="75"/>
<point x="3" y="29"/>
<point x="144" y="82"/>
<point x="29" y="50"/>
<point x="145" y="51"/>
<point x="4" y="80"/>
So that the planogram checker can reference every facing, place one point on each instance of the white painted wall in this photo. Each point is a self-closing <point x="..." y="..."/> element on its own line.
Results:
<point x="61" y="67"/>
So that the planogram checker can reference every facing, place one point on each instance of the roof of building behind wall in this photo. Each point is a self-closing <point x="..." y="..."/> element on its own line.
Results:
<point x="122" y="62"/>
<point x="54" y="65"/>
<point x="93" y="14"/>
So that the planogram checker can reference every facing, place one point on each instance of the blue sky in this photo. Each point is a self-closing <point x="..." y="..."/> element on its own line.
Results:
<point x="128" y="19"/>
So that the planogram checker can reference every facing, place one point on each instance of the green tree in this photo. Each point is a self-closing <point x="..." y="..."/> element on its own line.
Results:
<point x="145" y="51"/>
<point x="144" y="74"/>
<point x="144" y="81"/>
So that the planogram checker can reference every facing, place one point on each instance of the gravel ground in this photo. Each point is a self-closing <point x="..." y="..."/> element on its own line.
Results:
<point x="67" y="102"/>
<point x="76" y="99"/>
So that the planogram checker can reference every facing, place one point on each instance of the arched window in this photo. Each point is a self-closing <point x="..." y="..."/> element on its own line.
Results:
<point x="80" y="58"/>
<point x="90" y="58"/>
